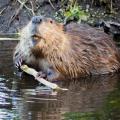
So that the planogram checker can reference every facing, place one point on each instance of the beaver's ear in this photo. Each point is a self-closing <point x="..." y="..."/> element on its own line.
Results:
<point x="63" y="26"/>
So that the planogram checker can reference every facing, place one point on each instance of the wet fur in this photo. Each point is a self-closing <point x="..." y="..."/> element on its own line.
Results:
<point x="72" y="51"/>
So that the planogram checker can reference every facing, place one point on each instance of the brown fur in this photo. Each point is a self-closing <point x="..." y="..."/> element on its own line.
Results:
<point x="74" y="50"/>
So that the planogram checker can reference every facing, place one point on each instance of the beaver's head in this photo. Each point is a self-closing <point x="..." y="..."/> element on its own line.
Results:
<point x="47" y="34"/>
<point x="45" y="27"/>
<point x="39" y="37"/>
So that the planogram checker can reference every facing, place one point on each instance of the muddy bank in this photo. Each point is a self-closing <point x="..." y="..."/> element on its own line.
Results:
<point x="13" y="16"/>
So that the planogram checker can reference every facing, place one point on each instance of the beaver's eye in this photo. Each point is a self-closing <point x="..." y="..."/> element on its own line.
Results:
<point x="51" y="21"/>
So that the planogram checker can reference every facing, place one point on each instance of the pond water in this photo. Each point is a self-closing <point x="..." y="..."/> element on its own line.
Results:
<point x="92" y="98"/>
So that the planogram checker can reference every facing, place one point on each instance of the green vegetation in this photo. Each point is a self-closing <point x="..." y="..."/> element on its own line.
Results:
<point x="73" y="12"/>
<point x="81" y="116"/>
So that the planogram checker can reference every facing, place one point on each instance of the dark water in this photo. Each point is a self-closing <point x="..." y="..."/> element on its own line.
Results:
<point x="95" y="98"/>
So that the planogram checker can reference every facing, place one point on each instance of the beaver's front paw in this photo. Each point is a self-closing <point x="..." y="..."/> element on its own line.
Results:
<point x="18" y="60"/>
<point x="41" y="75"/>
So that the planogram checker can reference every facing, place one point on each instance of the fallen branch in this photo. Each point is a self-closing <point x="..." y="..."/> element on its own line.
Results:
<point x="33" y="72"/>
<point x="29" y="9"/>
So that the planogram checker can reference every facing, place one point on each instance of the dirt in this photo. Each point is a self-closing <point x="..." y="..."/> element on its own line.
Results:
<point x="8" y="9"/>
<point x="9" y="23"/>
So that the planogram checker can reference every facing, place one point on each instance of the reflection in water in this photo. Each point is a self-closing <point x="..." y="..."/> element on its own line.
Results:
<point x="25" y="99"/>
<point x="93" y="98"/>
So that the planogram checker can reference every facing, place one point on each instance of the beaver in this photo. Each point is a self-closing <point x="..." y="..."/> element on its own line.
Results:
<point x="66" y="51"/>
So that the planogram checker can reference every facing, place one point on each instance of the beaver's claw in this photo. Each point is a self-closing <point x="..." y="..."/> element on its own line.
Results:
<point x="18" y="63"/>
<point x="18" y="60"/>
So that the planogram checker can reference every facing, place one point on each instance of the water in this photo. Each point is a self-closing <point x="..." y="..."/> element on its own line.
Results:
<point x="95" y="98"/>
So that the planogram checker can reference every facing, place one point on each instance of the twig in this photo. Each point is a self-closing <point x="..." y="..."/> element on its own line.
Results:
<point x="111" y="6"/>
<point x="16" y="12"/>
<point x="22" y="4"/>
<point x="9" y="35"/>
<point x="33" y="72"/>
<point x="51" y="4"/>
<point x="2" y="11"/>
<point x="32" y="9"/>
<point x="29" y="9"/>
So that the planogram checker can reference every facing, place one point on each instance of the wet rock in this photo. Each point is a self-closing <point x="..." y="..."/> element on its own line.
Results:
<point x="109" y="27"/>
<point x="113" y="28"/>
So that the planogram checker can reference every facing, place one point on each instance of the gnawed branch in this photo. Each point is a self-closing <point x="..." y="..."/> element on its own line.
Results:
<point x="34" y="73"/>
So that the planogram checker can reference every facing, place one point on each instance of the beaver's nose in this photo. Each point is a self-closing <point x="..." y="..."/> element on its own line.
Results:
<point x="37" y="19"/>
